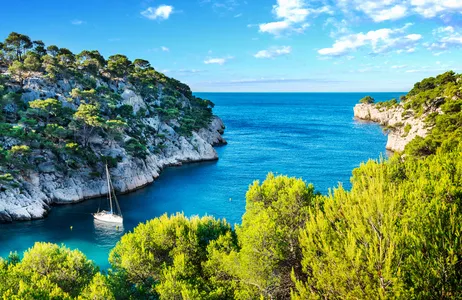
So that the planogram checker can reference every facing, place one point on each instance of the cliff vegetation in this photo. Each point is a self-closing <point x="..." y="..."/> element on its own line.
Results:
<point x="89" y="99"/>
<point x="64" y="115"/>
<point x="427" y="118"/>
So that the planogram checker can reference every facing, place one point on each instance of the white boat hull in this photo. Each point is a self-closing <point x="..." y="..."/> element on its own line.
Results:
<point x="108" y="217"/>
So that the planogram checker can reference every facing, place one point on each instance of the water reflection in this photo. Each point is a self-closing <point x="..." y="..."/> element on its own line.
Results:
<point x="106" y="233"/>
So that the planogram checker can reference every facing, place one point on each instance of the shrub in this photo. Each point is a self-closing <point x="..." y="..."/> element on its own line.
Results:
<point x="135" y="148"/>
<point x="367" y="100"/>
<point x="407" y="129"/>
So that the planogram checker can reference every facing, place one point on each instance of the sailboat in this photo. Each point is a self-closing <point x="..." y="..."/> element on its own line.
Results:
<point x="110" y="216"/>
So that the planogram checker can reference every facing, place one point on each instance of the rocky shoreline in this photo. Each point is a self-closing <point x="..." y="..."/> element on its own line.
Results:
<point x="42" y="190"/>
<point x="48" y="183"/>
<point x="401" y="125"/>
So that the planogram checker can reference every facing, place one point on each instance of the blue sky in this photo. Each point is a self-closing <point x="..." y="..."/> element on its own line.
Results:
<point x="259" y="45"/>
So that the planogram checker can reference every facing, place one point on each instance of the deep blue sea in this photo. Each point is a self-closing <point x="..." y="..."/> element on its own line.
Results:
<point x="308" y="135"/>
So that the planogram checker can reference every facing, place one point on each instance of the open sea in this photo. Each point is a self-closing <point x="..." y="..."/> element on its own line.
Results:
<point x="308" y="135"/>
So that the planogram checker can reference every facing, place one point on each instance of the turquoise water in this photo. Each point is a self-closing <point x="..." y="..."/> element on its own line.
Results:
<point x="311" y="135"/>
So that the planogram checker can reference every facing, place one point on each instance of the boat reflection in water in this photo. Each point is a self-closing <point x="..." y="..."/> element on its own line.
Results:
<point x="107" y="234"/>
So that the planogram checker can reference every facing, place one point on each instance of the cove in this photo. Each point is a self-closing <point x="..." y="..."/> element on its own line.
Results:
<point x="308" y="135"/>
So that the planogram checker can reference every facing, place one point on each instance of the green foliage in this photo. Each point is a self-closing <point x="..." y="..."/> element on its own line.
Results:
<point x="56" y="132"/>
<point x="125" y="111"/>
<point x="53" y="50"/>
<point x="91" y="61"/>
<point x="432" y="92"/>
<point x="269" y="249"/>
<point x="50" y="66"/>
<point x="39" y="48"/>
<point x="72" y="147"/>
<point x="110" y="161"/>
<point x="18" y="44"/>
<point x="6" y="177"/>
<point x="46" y="271"/>
<point x="86" y="96"/>
<point x="447" y="127"/>
<point x="386" y="104"/>
<point x="20" y="150"/>
<point x="119" y="65"/>
<point x="87" y="115"/>
<point x="367" y="100"/>
<point x="32" y="62"/>
<point x="135" y="148"/>
<point x="396" y="234"/>
<point x="98" y="289"/>
<point x="47" y="108"/>
<point x="163" y="258"/>
<point x="18" y="70"/>
<point x="432" y="82"/>
<point x="407" y="129"/>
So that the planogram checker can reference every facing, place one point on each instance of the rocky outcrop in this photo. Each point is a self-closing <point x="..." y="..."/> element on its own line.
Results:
<point x="402" y="125"/>
<point x="48" y="184"/>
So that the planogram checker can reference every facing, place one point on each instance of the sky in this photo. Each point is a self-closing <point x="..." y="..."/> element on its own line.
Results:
<point x="258" y="45"/>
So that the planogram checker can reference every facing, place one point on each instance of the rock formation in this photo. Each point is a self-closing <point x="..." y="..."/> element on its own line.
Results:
<point x="402" y="126"/>
<point x="49" y="184"/>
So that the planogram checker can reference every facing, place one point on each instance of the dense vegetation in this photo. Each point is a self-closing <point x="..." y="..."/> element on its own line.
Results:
<point x="86" y="105"/>
<point x="440" y="98"/>
<point x="395" y="234"/>
<point x="439" y="101"/>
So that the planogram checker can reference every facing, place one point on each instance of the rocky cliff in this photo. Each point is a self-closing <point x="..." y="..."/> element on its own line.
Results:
<point x="49" y="182"/>
<point x="401" y="124"/>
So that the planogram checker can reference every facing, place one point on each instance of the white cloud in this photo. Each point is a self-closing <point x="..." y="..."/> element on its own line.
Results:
<point x="292" y="15"/>
<point x="445" y="38"/>
<point x="273" y="52"/>
<point x="378" y="11"/>
<point x="275" y="28"/>
<point x="291" y="10"/>
<point x="398" y="66"/>
<point x="380" y="41"/>
<point x="165" y="49"/>
<point x="238" y="15"/>
<point x="384" y="10"/>
<point x="337" y="27"/>
<point x="190" y="71"/>
<point x="414" y="37"/>
<point x="162" y="12"/>
<point x="393" y="13"/>
<point x="445" y="29"/>
<point x="77" y="22"/>
<point x="217" y="60"/>
<point x="222" y="5"/>
<point x="433" y="8"/>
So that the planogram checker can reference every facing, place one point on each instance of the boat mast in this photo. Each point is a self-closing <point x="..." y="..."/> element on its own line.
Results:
<point x="109" y="187"/>
<point x="115" y="200"/>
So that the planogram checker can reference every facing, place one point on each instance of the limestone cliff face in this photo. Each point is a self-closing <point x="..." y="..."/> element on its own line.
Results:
<point x="49" y="184"/>
<point x="402" y="125"/>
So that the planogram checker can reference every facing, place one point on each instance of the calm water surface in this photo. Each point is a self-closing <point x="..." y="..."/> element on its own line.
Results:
<point x="311" y="135"/>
